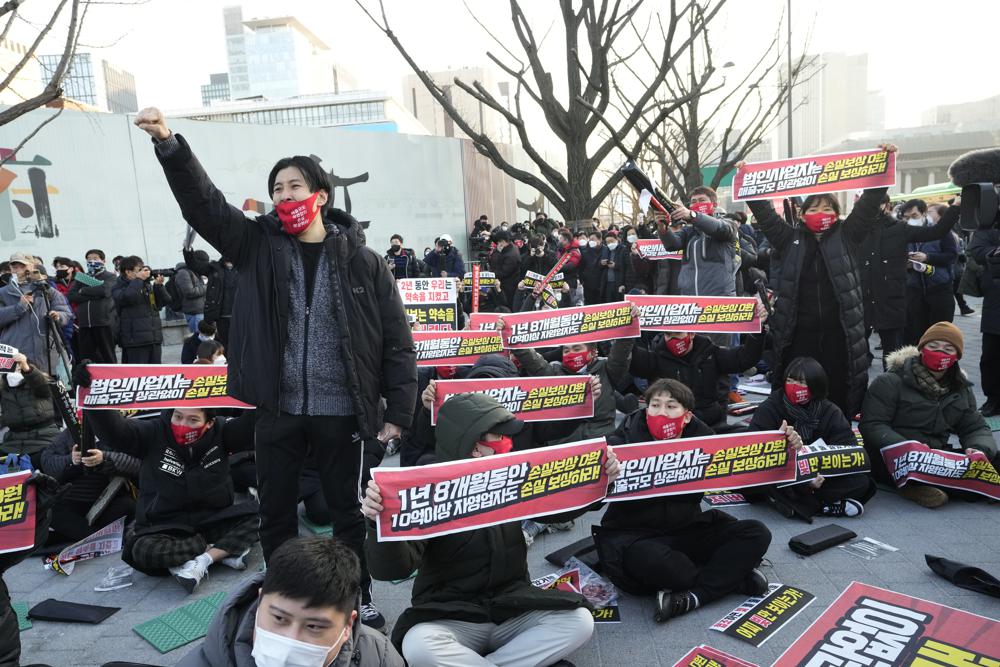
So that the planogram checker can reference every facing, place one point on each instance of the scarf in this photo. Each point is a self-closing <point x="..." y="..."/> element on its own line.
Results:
<point x="926" y="383"/>
<point x="805" y="418"/>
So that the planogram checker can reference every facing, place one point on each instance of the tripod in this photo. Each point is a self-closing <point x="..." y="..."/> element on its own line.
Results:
<point x="54" y="337"/>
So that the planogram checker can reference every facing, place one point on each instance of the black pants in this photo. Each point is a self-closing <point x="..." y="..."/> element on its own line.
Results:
<point x="926" y="308"/>
<point x="282" y="442"/>
<point x="710" y="560"/>
<point x="97" y="344"/>
<point x="829" y="348"/>
<point x="311" y="495"/>
<point x="147" y="354"/>
<point x="892" y="340"/>
<point x="989" y="366"/>
<point x="69" y="518"/>
<point x="222" y="330"/>
<point x="155" y="553"/>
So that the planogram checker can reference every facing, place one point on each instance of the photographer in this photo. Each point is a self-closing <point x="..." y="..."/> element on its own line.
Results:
<point x="139" y="298"/>
<point x="24" y="314"/>
<point x="444" y="260"/>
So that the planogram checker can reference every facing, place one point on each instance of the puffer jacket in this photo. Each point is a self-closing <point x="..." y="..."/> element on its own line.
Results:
<point x="221" y="285"/>
<point x="28" y="411"/>
<point x="23" y="326"/>
<point x="87" y="483"/>
<point x="710" y="249"/>
<point x="139" y="303"/>
<point x="897" y="409"/>
<point x="985" y="250"/>
<point x="449" y="262"/>
<point x="229" y="640"/>
<point x="95" y="307"/>
<point x="836" y="256"/>
<point x="376" y="345"/>
<point x="942" y="255"/>
<point x="477" y="576"/>
<point x="192" y="290"/>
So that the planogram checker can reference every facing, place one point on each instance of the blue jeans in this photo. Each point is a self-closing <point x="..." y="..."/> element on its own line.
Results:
<point x="193" y="320"/>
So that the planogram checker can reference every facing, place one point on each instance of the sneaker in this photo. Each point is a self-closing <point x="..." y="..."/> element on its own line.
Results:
<point x="991" y="408"/>
<point x="671" y="605"/>
<point x="560" y="526"/>
<point x="117" y="577"/>
<point x="848" y="508"/>
<point x="372" y="617"/>
<point x="965" y="310"/>
<point x="190" y="574"/>
<point x="925" y="496"/>
<point x="754" y="584"/>
<point x="236" y="562"/>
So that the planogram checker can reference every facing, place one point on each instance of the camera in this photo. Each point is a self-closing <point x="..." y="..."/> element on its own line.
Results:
<point x="166" y="273"/>
<point x="40" y="286"/>
<point x="976" y="173"/>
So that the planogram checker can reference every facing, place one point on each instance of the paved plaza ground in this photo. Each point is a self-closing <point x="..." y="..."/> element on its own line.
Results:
<point x="962" y="531"/>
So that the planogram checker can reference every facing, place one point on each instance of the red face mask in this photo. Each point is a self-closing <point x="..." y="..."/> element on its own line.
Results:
<point x="797" y="394"/>
<point x="296" y="216"/>
<point x="575" y="361"/>
<point x="663" y="427"/>
<point x="501" y="446"/>
<point x="936" y="360"/>
<point x="705" y="207"/>
<point x="185" y="436"/>
<point x="446" y="372"/>
<point x="680" y="346"/>
<point x="819" y="222"/>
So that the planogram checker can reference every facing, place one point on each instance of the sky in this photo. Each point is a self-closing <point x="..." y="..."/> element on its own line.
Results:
<point x="171" y="46"/>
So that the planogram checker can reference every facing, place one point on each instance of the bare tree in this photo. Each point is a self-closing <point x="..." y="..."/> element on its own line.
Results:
<point x="592" y="29"/>
<point x="718" y="130"/>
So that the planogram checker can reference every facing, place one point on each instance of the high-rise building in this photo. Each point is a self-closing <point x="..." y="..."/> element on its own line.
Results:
<point x="276" y="58"/>
<point x="963" y="112"/>
<point x="217" y="89"/>
<point x="93" y="81"/>
<point x="432" y="115"/>
<point x="27" y="83"/>
<point x="832" y="104"/>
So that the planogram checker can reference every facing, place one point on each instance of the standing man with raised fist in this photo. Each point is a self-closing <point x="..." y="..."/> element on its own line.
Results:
<point x="318" y="336"/>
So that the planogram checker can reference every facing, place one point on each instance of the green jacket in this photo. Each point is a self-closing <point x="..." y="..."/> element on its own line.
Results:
<point x="610" y="370"/>
<point x="895" y="409"/>
<point x="478" y="576"/>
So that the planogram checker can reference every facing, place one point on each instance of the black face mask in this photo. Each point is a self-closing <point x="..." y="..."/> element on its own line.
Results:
<point x="394" y="248"/>
<point x="62" y="274"/>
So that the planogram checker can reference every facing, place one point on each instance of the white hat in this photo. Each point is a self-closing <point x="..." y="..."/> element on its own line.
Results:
<point x="445" y="237"/>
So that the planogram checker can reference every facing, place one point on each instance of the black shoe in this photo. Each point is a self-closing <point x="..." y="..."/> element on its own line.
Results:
<point x="372" y="617"/>
<point x="846" y="508"/>
<point x="671" y="605"/>
<point x="991" y="408"/>
<point x="754" y="584"/>
<point x="965" y="310"/>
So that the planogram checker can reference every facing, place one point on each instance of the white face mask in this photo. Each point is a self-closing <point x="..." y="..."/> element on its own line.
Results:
<point x="915" y="222"/>
<point x="273" y="650"/>
<point x="220" y="360"/>
<point x="612" y="246"/>
<point x="593" y="244"/>
<point x="14" y="379"/>
<point x="203" y="337"/>
<point x="632" y="238"/>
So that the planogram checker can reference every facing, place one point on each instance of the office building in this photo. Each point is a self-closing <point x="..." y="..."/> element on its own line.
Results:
<point x="93" y="81"/>
<point x="963" y="112"/>
<point x="28" y="81"/>
<point x="432" y="115"/>
<point x="217" y="89"/>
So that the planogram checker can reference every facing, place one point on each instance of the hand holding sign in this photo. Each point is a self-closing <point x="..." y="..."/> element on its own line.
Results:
<point x="371" y="504"/>
<point x="791" y="435"/>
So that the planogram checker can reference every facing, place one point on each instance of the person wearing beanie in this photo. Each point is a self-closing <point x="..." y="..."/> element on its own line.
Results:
<point x="925" y="396"/>
<point x="505" y="262"/>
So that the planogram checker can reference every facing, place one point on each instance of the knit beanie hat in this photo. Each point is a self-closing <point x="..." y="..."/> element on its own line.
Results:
<point x="945" y="331"/>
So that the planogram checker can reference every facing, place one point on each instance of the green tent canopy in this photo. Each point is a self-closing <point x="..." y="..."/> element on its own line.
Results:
<point x="932" y="194"/>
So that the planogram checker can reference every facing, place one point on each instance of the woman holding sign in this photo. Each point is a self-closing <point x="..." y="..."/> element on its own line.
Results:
<point x="819" y="312"/>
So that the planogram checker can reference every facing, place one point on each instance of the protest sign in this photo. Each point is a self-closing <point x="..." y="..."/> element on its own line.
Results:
<point x="913" y="460"/>
<point x="689" y="465"/>
<point x="706" y="656"/>
<point x="653" y="250"/>
<point x="17" y="512"/>
<point x="700" y="314"/>
<point x="566" y="326"/>
<point x="531" y="279"/>
<point x="444" y="498"/>
<point x="888" y="628"/>
<point x="487" y="280"/>
<point x="759" y="618"/>
<point x="820" y="458"/>
<point x="725" y="499"/>
<point x="483" y="321"/>
<point x="531" y="399"/>
<point x="432" y="301"/>
<point x="7" y="363"/>
<point x="141" y="387"/>
<point x="454" y="348"/>
<point x="803" y="176"/>
<point x="576" y="577"/>
<point x="106" y="541"/>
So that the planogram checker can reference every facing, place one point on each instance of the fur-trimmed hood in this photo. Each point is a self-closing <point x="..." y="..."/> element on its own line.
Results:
<point x="897" y="359"/>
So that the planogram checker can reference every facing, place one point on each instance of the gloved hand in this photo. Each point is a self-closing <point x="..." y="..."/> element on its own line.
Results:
<point x="81" y="374"/>
<point x="48" y="490"/>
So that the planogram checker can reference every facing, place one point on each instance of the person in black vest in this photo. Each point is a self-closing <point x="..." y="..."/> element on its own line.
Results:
<point x="139" y="298"/>
<point x="319" y="337"/>
<point x="819" y="310"/>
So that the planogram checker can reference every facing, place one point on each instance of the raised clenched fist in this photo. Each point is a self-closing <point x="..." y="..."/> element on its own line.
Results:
<point x="151" y="121"/>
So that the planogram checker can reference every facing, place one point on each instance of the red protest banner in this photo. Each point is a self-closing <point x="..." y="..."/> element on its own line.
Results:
<point x="454" y="348"/>
<point x="653" y="250"/>
<point x="483" y="321"/>
<point x="689" y="465"/>
<point x="531" y="399"/>
<point x="700" y="314"/>
<point x="444" y="498"/>
<point x="706" y="656"/>
<point x="155" y="387"/>
<point x="566" y="326"/>
<point x="900" y="630"/>
<point x="801" y="176"/>
<point x="913" y="460"/>
<point x="17" y="512"/>
<point x="432" y="301"/>
<point x="475" y="287"/>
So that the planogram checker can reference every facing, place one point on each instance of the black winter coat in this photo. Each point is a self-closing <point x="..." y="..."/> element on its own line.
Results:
<point x="139" y="305"/>
<point x="376" y="344"/>
<point x="95" y="306"/>
<point x="87" y="483"/>
<point x="221" y="287"/>
<point x="985" y="249"/>
<point x="506" y="264"/>
<point x="705" y="370"/>
<point x="883" y="262"/>
<point x="835" y="263"/>
<point x="832" y="425"/>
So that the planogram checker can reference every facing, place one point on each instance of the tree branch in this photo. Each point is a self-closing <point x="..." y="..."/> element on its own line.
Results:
<point x="31" y="136"/>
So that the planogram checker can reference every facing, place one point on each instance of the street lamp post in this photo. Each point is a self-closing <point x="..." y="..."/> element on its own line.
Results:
<point x="789" y="15"/>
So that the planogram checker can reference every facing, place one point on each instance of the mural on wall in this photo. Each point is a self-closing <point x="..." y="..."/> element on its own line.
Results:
<point x="40" y="213"/>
